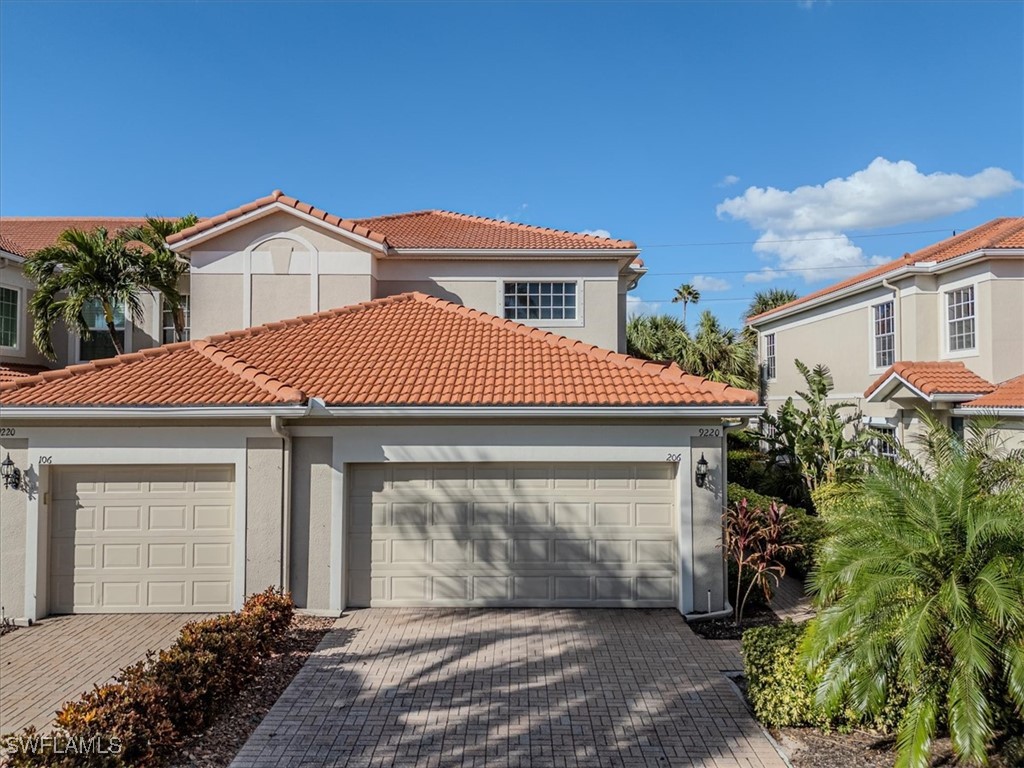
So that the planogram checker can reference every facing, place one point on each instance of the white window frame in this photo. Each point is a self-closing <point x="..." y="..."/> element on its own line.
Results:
<point x="882" y="448"/>
<point x="771" y="368"/>
<point x="74" y="341"/>
<point x="18" y="350"/>
<point x="873" y="321"/>
<point x="947" y="291"/>
<point x="160" y="327"/>
<point x="577" y="322"/>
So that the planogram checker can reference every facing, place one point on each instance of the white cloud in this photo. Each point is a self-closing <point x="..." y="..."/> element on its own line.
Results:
<point x="596" y="232"/>
<point x="637" y="306"/>
<point x="804" y="228"/>
<point x="709" y="284"/>
<point x="728" y="180"/>
<point x="520" y="212"/>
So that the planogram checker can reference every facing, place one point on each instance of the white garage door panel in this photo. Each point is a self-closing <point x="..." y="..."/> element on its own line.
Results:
<point x="142" y="538"/>
<point x="512" y="534"/>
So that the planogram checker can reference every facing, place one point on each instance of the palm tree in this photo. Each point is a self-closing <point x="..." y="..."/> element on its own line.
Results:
<point x="686" y="294"/>
<point x="921" y="590"/>
<point x="153" y="234"/>
<point x="720" y="354"/>
<point x="85" y="267"/>
<point x="656" y="337"/>
<point x="769" y="299"/>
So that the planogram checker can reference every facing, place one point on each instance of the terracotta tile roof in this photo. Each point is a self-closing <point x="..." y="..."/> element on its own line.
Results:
<point x="31" y="233"/>
<point x="279" y="197"/>
<point x="445" y="229"/>
<point x="409" y="349"/>
<point x="423" y="229"/>
<point x="946" y="377"/>
<point x="10" y="246"/>
<point x="996" y="234"/>
<point x="12" y="371"/>
<point x="1009" y="394"/>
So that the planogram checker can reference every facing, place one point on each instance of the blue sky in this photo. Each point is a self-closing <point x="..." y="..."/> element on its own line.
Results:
<point x="665" y="123"/>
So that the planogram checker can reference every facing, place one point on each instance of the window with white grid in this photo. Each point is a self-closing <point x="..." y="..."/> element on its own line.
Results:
<point x="9" y="314"/>
<point x="535" y="300"/>
<point x="885" y="335"/>
<point x="769" y="356"/>
<point x="960" y="318"/>
<point x="167" y="333"/>
<point x="885" y="442"/>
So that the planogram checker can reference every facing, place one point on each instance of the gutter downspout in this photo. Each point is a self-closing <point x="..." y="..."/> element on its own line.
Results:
<point x="727" y="426"/>
<point x="278" y="428"/>
<point x="898" y="351"/>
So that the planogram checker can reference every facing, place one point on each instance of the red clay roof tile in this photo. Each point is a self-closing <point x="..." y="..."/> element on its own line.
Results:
<point x="13" y="371"/>
<point x="944" y="377"/>
<point x="995" y="234"/>
<point x="1009" y="394"/>
<point x="30" y="233"/>
<point x="409" y="349"/>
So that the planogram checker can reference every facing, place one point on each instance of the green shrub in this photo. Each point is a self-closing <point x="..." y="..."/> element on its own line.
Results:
<point x="832" y="498"/>
<point x="782" y="691"/>
<point x="806" y="530"/>
<point x="151" y="706"/>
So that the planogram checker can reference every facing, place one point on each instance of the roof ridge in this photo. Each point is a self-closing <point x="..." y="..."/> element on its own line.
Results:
<point x="78" y="218"/>
<point x="247" y="372"/>
<point x="670" y="372"/>
<point x="522" y="225"/>
<point x="80" y="369"/>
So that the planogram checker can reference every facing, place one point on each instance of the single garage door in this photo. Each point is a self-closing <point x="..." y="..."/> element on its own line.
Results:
<point x="131" y="539"/>
<point x="512" y="534"/>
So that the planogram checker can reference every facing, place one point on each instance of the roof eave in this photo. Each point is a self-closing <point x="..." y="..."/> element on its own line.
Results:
<point x="55" y="412"/>
<point x="455" y="253"/>
<point x="1016" y="412"/>
<point x="554" y="411"/>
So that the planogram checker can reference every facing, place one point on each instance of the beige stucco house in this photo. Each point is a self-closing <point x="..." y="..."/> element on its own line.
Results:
<point x="941" y="330"/>
<point x="427" y="409"/>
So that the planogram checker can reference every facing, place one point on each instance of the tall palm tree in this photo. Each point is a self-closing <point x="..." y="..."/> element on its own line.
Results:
<point x="656" y="337"/>
<point x="686" y="294"/>
<point x="720" y="354"/>
<point x="85" y="267"/>
<point x="153" y="234"/>
<point x="921" y="590"/>
<point x="769" y="299"/>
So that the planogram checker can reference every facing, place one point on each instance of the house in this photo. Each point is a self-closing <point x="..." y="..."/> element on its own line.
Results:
<point x="939" y="330"/>
<point x="419" y="410"/>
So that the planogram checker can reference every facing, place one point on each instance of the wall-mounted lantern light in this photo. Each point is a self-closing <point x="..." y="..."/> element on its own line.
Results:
<point x="701" y="473"/>
<point x="10" y="473"/>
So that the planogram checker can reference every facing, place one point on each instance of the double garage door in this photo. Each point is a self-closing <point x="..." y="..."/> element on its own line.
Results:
<point x="512" y="534"/>
<point x="142" y="539"/>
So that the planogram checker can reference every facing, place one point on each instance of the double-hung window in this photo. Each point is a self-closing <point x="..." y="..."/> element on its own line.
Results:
<point x="885" y="444"/>
<point x="885" y="335"/>
<point x="541" y="300"/>
<point x="960" y="324"/>
<point x="10" y="310"/>
<point x="167" y="330"/>
<point x="769" y="356"/>
<point x="99" y="344"/>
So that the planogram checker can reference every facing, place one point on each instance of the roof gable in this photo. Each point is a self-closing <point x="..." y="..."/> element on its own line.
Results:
<point x="944" y="379"/>
<point x="410" y="349"/>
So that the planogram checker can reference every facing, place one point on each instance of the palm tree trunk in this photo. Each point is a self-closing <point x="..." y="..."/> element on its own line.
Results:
<point x="108" y="315"/>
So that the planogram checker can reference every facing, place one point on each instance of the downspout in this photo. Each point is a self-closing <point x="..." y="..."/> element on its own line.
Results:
<point x="898" y="351"/>
<point x="278" y="428"/>
<point x="727" y="427"/>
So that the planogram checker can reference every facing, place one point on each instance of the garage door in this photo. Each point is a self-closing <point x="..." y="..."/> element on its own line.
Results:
<point x="141" y="539"/>
<point x="512" y="534"/>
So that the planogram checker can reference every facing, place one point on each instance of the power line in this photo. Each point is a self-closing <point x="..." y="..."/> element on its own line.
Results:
<point x="754" y="271"/>
<point x="796" y="239"/>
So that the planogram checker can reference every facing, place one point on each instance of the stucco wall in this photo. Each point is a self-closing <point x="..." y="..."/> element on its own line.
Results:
<point x="311" y="522"/>
<point x="26" y="353"/>
<point x="707" y="505"/>
<point x="277" y="297"/>
<point x="264" y="475"/>
<point x="13" y="508"/>
<point x="216" y="304"/>
<point x="342" y="290"/>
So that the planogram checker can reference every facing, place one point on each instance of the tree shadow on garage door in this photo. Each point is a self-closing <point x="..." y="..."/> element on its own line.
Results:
<point x="524" y="687"/>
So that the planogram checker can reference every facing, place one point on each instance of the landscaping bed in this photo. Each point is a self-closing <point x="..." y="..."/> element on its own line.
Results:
<point x="725" y="628"/>
<point x="217" y="746"/>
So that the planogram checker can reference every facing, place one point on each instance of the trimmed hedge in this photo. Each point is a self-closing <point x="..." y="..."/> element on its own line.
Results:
<point x="151" y="706"/>
<point x="806" y="530"/>
<point x="782" y="691"/>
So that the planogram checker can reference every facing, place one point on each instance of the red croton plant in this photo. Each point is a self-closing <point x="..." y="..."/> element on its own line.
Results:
<point x="755" y="541"/>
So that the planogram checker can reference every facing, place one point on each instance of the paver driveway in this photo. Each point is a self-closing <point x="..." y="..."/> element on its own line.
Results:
<point x="44" y="665"/>
<point x="528" y="688"/>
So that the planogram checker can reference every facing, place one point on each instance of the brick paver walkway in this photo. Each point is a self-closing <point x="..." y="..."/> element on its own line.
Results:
<point x="529" y="688"/>
<point x="44" y="665"/>
<point x="791" y="601"/>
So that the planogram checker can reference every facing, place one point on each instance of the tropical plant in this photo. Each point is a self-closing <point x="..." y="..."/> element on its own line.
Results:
<point x="153" y="234"/>
<point x="656" y="337"/>
<point x="686" y="294"/>
<point x="769" y="299"/>
<point x="755" y="541"/>
<point x="925" y="593"/>
<point x="825" y="440"/>
<point x="86" y="267"/>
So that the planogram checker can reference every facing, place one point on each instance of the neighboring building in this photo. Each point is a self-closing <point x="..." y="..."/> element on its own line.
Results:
<point x="480" y="445"/>
<point x="937" y="330"/>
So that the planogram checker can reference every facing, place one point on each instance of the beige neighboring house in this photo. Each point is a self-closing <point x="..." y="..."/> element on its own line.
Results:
<point x="941" y="329"/>
<point x="426" y="409"/>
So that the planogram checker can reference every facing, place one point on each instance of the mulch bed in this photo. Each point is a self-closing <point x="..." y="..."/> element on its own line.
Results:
<point x="726" y="629"/>
<point x="218" y="745"/>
